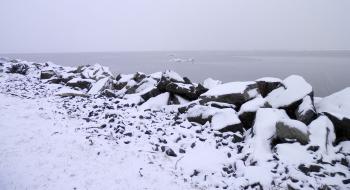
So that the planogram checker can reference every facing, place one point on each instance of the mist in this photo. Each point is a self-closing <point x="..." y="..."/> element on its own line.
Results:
<point x="38" y="26"/>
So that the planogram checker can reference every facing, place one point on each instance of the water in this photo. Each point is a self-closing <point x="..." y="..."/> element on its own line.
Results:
<point x="327" y="71"/>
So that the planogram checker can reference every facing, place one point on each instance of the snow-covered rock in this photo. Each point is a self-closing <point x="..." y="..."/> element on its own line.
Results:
<point x="80" y="83"/>
<point x="268" y="84"/>
<point x="233" y="93"/>
<point x="66" y="92"/>
<point x="288" y="130"/>
<point x="19" y="68"/>
<point x="99" y="86"/>
<point x="306" y="111"/>
<point x="221" y="119"/>
<point x="95" y="72"/>
<point x="156" y="102"/>
<point x="322" y="135"/>
<point x="264" y="130"/>
<point x="290" y="95"/>
<point x="189" y="91"/>
<point x="46" y="74"/>
<point x="248" y="110"/>
<point x="167" y="77"/>
<point x="337" y="107"/>
<point x="210" y="83"/>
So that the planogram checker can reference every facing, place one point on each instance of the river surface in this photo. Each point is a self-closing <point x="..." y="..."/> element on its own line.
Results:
<point x="326" y="71"/>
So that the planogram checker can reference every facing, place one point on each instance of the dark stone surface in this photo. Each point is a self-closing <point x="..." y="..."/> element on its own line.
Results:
<point x="19" y="68"/>
<point x="284" y="133"/>
<point x="342" y="128"/>
<point x="265" y="87"/>
<point x="80" y="84"/>
<point x="47" y="74"/>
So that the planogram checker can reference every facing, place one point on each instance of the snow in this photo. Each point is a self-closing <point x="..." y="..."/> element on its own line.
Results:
<point x="75" y="80"/>
<point x="305" y="105"/>
<point x="269" y="79"/>
<point x="156" y="102"/>
<point x="65" y="91"/>
<point x="173" y="75"/>
<point x="210" y="83"/>
<point x="99" y="86"/>
<point x="224" y="118"/>
<point x="125" y="77"/>
<point x="264" y="129"/>
<point x="39" y="151"/>
<point x="182" y="100"/>
<point x="296" y="88"/>
<point x="337" y="104"/>
<point x="252" y="105"/>
<point x="194" y="159"/>
<point x="228" y="88"/>
<point x="322" y="133"/>
<point x="96" y="72"/>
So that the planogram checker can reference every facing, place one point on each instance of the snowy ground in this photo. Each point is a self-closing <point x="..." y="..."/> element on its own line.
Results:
<point x="53" y="142"/>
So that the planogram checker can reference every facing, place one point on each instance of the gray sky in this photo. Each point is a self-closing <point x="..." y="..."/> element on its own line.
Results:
<point x="138" y="25"/>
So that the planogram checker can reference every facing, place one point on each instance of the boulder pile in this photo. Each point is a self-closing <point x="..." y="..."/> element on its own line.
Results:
<point x="231" y="106"/>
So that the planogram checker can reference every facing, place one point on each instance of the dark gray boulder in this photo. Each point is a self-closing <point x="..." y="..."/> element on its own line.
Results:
<point x="168" y="77"/>
<point x="306" y="112"/>
<point x="291" y="131"/>
<point x="337" y="108"/>
<point x="19" y="68"/>
<point x="80" y="83"/>
<point x="267" y="85"/>
<point x="47" y="74"/>
<point x="189" y="91"/>
<point x="248" y="111"/>
<point x="235" y="93"/>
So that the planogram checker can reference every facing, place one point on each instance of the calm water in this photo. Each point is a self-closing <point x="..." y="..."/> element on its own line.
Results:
<point x="327" y="71"/>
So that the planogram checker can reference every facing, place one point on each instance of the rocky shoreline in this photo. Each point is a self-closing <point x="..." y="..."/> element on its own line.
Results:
<point x="269" y="133"/>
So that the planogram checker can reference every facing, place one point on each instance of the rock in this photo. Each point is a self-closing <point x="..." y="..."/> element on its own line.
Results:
<point x="210" y="83"/>
<point x="167" y="77"/>
<point x="66" y="92"/>
<point x="149" y="93"/>
<point x="109" y="93"/>
<point x="248" y="110"/>
<point x="287" y="130"/>
<point x="99" y="86"/>
<point x="19" y="68"/>
<point x="220" y="105"/>
<point x="309" y="169"/>
<point x="47" y="74"/>
<point x="290" y="95"/>
<point x="233" y="93"/>
<point x="268" y="84"/>
<point x="221" y="119"/>
<point x="156" y="102"/>
<point x="170" y="152"/>
<point x="80" y="83"/>
<point x="306" y="111"/>
<point x="138" y="76"/>
<point x="189" y="91"/>
<point x="263" y="131"/>
<point x="177" y="100"/>
<point x="322" y="134"/>
<point x="337" y="108"/>
<point x="95" y="72"/>
<point x="144" y="85"/>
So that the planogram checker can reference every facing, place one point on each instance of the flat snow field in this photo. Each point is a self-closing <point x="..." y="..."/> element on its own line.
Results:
<point x="39" y="151"/>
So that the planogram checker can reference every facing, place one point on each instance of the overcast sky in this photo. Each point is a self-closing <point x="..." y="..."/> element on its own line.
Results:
<point x="139" y="25"/>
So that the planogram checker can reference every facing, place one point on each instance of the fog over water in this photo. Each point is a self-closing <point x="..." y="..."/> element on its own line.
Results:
<point x="327" y="71"/>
